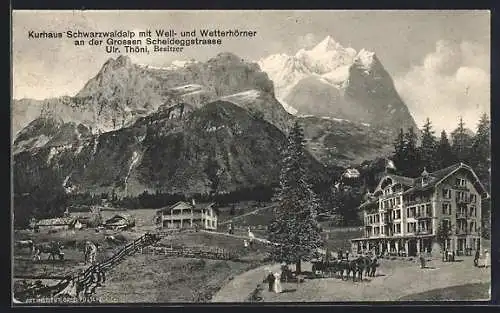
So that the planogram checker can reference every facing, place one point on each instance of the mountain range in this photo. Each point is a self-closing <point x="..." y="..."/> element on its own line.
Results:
<point x="199" y="127"/>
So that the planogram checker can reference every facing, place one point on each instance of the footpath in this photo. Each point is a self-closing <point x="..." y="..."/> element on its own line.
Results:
<point x="240" y="288"/>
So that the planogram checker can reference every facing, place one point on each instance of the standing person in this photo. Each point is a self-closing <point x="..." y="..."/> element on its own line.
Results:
<point x="486" y="258"/>
<point x="422" y="260"/>
<point x="476" y="258"/>
<point x="277" y="282"/>
<point x="270" y="280"/>
<point x="340" y="254"/>
<point x="347" y="255"/>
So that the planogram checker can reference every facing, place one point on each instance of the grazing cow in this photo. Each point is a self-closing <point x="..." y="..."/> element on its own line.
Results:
<point x="90" y="252"/>
<point x="52" y="249"/>
<point x="21" y="244"/>
<point x="111" y="239"/>
<point x="250" y="234"/>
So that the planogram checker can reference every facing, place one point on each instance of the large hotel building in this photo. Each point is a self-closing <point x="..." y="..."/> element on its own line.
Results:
<point x="402" y="215"/>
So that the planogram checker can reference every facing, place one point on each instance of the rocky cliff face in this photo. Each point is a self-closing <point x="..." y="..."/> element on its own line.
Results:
<point x="122" y="91"/>
<point x="219" y="147"/>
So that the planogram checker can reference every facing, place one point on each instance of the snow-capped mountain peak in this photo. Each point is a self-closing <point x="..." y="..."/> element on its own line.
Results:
<point x="328" y="58"/>
<point x="327" y="44"/>
<point x="332" y="80"/>
<point x="365" y="58"/>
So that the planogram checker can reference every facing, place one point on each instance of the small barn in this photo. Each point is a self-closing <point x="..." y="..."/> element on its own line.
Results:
<point x="89" y="218"/>
<point x="59" y="223"/>
<point x="120" y="221"/>
<point x="351" y="173"/>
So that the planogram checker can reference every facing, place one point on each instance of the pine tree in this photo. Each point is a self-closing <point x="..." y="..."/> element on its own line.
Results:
<point x="444" y="156"/>
<point x="294" y="227"/>
<point x="481" y="145"/>
<point x="428" y="147"/>
<point x="461" y="142"/>
<point x="480" y="160"/>
<point x="411" y="157"/>
<point x="399" y="155"/>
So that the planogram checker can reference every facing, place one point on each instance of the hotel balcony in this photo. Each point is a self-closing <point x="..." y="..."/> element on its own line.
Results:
<point x="463" y="201"/>
<point x="423" y="216"/>
<point x="410" y="203"/>
<point x="462" y="232"/>
<point x="424" y="232"/>
<point x="458" y="187"/>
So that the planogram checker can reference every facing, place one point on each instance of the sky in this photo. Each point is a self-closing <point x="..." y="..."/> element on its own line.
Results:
<point x="439" y="60"/>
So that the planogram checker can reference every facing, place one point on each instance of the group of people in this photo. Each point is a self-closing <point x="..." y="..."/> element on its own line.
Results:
<point x="477" y="257"/>
<point x="274" y="282"/>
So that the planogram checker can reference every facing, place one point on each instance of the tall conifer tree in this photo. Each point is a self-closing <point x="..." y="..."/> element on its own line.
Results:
<point x="294" y="227"/>
<point x="444" y="156"/>
<point x="428" y="147"/>
<point x="461" y="142"/>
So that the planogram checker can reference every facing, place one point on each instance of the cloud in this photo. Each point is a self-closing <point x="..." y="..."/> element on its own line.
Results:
<point x="451" y="81"/>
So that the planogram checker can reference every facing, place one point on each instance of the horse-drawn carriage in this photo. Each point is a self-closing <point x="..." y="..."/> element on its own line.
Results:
<point x="343" y="268"/>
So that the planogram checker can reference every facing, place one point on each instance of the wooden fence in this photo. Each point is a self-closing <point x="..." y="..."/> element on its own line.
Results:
<point x="192" y="252"/>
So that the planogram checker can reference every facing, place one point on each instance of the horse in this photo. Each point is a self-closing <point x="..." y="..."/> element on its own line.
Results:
<point x="328" y="267"/>
<point x="363" y="264"/>
<point x="347" y="267"/>
<point x="52" y="249"/>
<point x="373" y="267"/>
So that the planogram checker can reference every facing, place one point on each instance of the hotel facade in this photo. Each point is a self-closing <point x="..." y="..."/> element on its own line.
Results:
<point x="403" y="214"/>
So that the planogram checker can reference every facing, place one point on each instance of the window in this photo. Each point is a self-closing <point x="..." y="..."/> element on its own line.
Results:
<point x="411" y="227"/>
<point x="411" y="212"/>
<point x="472" y="198"/>
<point x="461" y="196"/>
<point x="398" y="201"/>
<point x="398" y="214"/>
<point x="462" y="225"/>
<point x="448" y="223"/>
<point x="446" y="193"/>
<point x="428" y="210"/>
<point x="397" y="229"/>
<point x="446" y="208"/>
<point x="472" y="211"/>
<point x="472" y="227"/>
